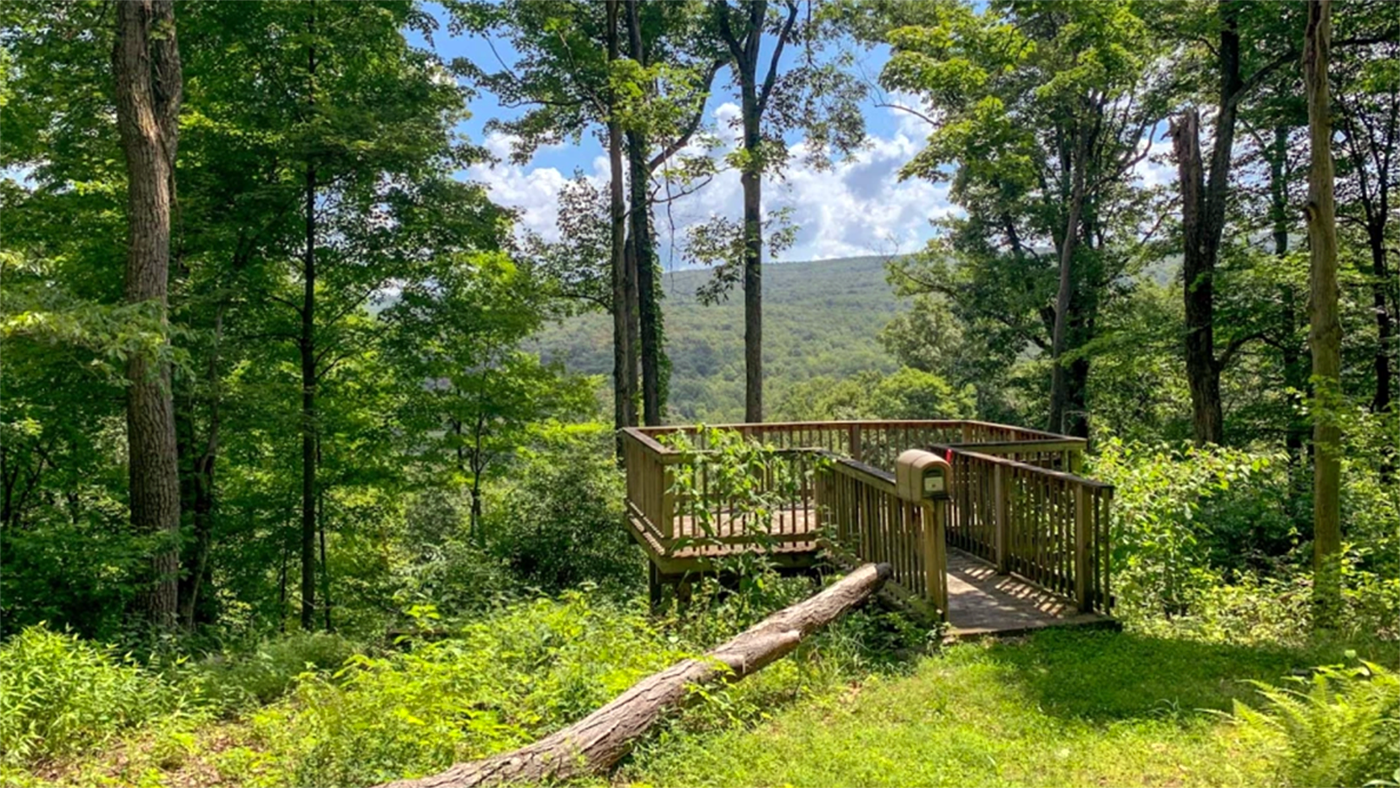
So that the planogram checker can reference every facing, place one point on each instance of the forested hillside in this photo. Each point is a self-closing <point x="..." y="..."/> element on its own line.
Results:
<point x="821" y="319"/>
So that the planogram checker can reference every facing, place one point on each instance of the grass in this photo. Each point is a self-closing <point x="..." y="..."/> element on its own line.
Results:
<point x="1056" y="708"/>
<point x="1062" y="707"/>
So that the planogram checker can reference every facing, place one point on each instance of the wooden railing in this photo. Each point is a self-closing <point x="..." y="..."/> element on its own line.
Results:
<point x="651" y="502"/>
<point x="1048" y="526"/>
<point x="862" y="516"/>
<point x="679" y="515"/>
<point x="1014" y="500"/>
<point x="878" y="443"/>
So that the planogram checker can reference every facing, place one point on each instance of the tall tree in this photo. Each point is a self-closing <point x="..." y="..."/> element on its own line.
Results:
<point x="1325" y="335"/>
<point x="623" y="286"/>
<point x="149" y="86"/>
<point x="664" y="51"/>
<point x="640" y="71"/>
<point x="742" y="30"/>
<point x="1367" y="106"/>
<point x="1044" y="111"/>
<point x="307" y="349"/>
<point x="816" y="97"/>
<point x="1205" y="194"/>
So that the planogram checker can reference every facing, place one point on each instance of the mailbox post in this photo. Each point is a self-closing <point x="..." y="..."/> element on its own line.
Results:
<point x="924" y="479"/>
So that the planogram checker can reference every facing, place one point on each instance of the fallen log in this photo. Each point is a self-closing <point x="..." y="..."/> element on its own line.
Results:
<point x="596" y="743"/>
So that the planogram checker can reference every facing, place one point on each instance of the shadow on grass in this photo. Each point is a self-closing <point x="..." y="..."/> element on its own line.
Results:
<point x="1104" y="676"/>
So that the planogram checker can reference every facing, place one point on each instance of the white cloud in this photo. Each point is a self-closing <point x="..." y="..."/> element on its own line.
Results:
<point x="856" y="207"/>
<point x="1157" y="169"/>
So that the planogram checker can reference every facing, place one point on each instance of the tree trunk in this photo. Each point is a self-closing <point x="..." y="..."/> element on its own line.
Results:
<point x="307" y="345"/>
<point x="325" y="567"/>
<point x="146" y="66"/>
<point x="1295" y="372"/>
<point x="1197" y="273"/>
<point x="1326" y="332"/>
<point x="752" y="181"/>
<point x="624" y="414"/>
<point x="196" y="567"/>
<point x="1203" y="225"/>
<point x="597" y="742"/>
<point x="1385" y="330"/>
<point x="197" y="486"/>
<point x="1059" y="374"/>
<point x="634" y="335"/>
<point x="648" y="313"/>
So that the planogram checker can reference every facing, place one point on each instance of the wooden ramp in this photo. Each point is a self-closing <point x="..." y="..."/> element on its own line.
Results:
<point x="982" y="603"/>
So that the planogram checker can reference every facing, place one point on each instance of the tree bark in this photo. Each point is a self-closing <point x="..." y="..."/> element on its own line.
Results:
<point x="624" y="407"/>
<point x="597" y="742"/>
<point x="751" y="179"/>
<point x="1295" y="372"/>
<point x="1385" y="329"/>
<point x="1059" y="373"/>
<point x="197" y="467"/>
<point x="1197" y="272"/>
<point x="307" y="346"/>
<point x="146" y="67"/>
<point x="1326" y="332"/>
<point x="1203" y="225"/>
<point x="648" y="312"/>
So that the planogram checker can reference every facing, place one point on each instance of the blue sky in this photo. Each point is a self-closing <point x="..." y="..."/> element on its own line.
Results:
<point x="857" y="207"/>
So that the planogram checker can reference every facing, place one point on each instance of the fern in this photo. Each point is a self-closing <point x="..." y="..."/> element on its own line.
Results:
<point x="1341" y="727"/>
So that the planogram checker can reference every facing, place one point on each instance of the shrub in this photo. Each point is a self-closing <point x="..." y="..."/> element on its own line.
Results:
<point x="508" y="679"/>
<point x="1341" y="727"/>
<point x="267" y="671"/>
<point x="1184" y="515"/>
<point x="560" y="524"/>
<point x="60" y="695"/>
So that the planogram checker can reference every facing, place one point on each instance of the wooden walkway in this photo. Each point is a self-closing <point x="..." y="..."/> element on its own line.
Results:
<point x="1011" y="499"/>
<point x="981" y="602"/>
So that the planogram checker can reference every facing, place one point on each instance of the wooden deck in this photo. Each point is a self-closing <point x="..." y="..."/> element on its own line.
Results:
<point x="982" y="602"/>
<point x="792" y="542"/>
<point x="1020" y="542"/>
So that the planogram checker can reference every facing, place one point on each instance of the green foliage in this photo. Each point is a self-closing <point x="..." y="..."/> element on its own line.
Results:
<point x="61" y="696"/>
<point x="242" y="680"/>
<point x="1339" y="727"/>
<point x="495" y="684"/>
<point x="1183" y="514"/>
<point x="558" y="525"/>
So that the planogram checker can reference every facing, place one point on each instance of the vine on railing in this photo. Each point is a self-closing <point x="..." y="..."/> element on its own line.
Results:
<point x="748" y="482"/>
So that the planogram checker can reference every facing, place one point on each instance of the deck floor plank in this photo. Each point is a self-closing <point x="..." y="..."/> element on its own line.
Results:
<point x="982" y="602"/>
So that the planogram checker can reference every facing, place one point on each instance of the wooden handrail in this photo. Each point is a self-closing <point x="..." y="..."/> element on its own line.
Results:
<point x="1046" y="524"/>
<point x="860" y="510"/>
<point x="1084" y="480"/>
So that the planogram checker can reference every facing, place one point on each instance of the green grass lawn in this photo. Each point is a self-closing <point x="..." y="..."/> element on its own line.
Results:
<point x="1058" y="708"/>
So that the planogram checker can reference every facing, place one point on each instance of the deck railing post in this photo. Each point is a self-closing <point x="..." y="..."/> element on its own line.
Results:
<point x="1000" y="491"/>
<point x="854" y="437"/>
<point x="1083" y="522"/>
<point x="935" y="555"/>
<point x="668" y="502"/>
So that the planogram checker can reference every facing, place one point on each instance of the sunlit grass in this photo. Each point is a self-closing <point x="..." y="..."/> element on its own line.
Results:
<point x="1059" y="708"/>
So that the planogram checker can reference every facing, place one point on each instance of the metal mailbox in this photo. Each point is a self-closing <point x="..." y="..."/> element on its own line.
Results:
<point x="922" y="475"/>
